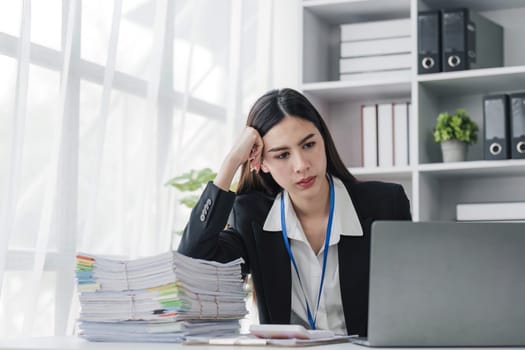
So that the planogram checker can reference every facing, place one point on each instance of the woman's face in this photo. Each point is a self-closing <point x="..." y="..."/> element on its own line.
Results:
<point x="294" y="154"/>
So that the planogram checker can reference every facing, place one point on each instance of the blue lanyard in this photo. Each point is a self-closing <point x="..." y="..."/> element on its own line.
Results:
<point x="311" y="318"/>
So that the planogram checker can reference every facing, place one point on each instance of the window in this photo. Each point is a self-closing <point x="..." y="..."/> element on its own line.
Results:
<point x="90" y="162"/>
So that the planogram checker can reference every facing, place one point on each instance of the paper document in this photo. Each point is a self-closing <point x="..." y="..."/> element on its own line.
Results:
<point x="288" y="331"/>
<point x="253" y="340"/>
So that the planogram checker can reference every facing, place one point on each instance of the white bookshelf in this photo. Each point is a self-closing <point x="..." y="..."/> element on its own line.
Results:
<point x="434" y="187"/>
<point x="334" y="91"/>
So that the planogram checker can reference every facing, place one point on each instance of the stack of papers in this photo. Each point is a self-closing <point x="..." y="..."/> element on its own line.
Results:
<point x="161" y="298"/>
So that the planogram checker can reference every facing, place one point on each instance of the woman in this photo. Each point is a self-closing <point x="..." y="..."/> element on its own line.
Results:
<point x="294" y="192"/>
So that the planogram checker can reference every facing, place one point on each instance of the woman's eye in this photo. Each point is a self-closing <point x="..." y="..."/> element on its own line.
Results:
<point x="283" y="155"/>
<point x="309" y="144"/>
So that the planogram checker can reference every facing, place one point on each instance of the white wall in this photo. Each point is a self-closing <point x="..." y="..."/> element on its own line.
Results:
<point x="286" y="44"/>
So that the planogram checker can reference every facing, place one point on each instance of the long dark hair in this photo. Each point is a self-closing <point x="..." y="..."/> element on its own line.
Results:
<point x="268" y="111"/>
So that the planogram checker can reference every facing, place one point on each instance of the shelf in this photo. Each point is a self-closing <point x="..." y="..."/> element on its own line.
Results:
<point x="481" y="168"/>
<point x="388" y="174"/>
<point x="479" y="81"/>
<point x="334" y="91"/>
<point x="434" y="188"/>
<point x="347" y="11"/>
<point x="476" y="5"/>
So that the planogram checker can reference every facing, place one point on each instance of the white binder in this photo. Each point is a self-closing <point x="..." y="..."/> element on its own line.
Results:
<point x="369" y="136"/>
<point x="490" y="211"/>
<point x="375" y="30"/>
<point x="375" y="47"/>
<point x="385" y="135"/>
<point x="401" y="134"/>
<point x="382" y="76"/>
<point x="374" y="63"/>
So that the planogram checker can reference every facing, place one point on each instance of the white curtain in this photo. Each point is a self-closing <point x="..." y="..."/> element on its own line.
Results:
<point x="101" y="103"/>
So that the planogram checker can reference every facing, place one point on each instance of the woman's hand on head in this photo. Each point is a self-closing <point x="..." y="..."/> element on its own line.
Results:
<point x="249" y="147"/>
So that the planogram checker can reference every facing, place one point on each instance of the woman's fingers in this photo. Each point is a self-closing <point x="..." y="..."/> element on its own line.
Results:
<point x="256" y="150"/>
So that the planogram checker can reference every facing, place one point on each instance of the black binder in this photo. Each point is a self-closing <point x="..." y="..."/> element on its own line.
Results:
<point x="429" y="42"/>
<point x="517" y="125"/>
<point x="470" y="41"/>
<point x="496" y="126"/>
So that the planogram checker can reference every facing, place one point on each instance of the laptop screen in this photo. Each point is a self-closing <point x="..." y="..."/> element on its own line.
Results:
<point x="447" y="284"/>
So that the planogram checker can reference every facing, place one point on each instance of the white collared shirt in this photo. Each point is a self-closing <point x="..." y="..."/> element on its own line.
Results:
<point x="345" y="222"/>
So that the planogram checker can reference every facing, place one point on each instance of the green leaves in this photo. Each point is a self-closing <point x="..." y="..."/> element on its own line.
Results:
<point x="190" y="200"/>
<point x="190" y="182"/>
<point x="458" y="126"/>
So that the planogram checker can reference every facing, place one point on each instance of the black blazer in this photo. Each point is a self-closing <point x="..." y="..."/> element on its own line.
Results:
<point x="265" y="256"/>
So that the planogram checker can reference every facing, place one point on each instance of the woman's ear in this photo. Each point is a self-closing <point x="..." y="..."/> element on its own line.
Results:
<point x="264" y="167"/>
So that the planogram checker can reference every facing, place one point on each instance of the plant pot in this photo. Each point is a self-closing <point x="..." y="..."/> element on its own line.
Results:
<point x="453" y="151"/>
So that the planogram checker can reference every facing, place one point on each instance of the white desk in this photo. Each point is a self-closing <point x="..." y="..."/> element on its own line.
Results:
<point x="74" y="343"/>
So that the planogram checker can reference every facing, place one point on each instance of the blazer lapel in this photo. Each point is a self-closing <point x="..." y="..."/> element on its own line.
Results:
<point x="354" y="267"/>
<point x="275" y="272"/>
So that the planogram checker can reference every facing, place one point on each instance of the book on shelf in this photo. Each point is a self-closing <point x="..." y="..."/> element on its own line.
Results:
<point x="496" y="127"/>
<point x="495" y="211"/>
<point x="375" y="63"/>
<point x="375" y="50"/>
<point x="469" y="40"/>
<point x="377" y="76"/>
<point x="401" y="134"/>
<point x="375" y="30"/>
<point x="375" y="47"/>
<point x="517" y="125"/>
<point x="369" y="136"/>
<point x="385" y="135"/>
<point x="453" y="39"/>
<point x="429" y="42"/>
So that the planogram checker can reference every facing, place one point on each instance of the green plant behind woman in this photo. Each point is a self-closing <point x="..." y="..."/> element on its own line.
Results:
<point x="457" y="126"/>
<point x="192" y="181"/>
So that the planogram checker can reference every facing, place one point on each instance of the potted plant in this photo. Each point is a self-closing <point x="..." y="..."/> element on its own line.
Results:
<point x="455" y="132"/>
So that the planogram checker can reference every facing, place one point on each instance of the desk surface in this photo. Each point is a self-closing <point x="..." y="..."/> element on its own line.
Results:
<point x="74" y="343"/>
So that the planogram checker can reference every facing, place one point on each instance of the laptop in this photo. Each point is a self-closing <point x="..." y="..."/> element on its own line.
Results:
<point x="447" y="284"/>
